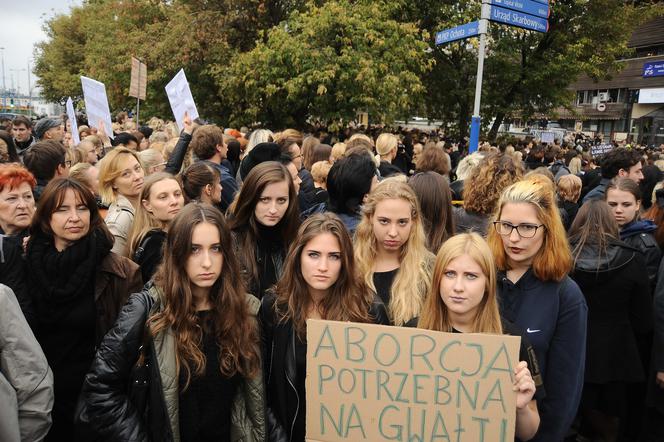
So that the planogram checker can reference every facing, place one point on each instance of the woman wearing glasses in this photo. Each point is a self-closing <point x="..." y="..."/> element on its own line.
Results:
<point x="533" y="259"/>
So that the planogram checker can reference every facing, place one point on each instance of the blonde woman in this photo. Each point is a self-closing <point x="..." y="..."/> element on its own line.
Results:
<point x="462" y="299"/>
<point x="391" y="252"/>
<point x="386" y="148"/>
<point x="120" y="184"/>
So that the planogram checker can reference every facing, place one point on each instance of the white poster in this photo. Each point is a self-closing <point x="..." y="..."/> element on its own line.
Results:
<point x="651" y="96"/>
<point x="96" y="104"/>
<point x="179" y="95"/>
<point x="71" y="114"/>
<point x="548" y="137"/>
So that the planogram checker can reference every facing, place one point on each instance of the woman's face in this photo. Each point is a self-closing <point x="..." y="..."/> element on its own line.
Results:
<point x="320" y="262"/>
<point x="462" y="287"/>
<point x="17" y="206"/>
<point x="392" y="222"/>
<point x="272" y="204"/>
<point x="623" y="206"/>
<point x="130" y="182"/>
<point x="93" y="179"/>
<point x="521" y="251"/>
<point x="165" y="200"/>
<point x="205" y="259"/>
<point x="70" y="221"/>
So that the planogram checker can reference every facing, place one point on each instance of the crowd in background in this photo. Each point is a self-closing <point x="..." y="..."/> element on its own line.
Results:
<point x="156" y="282"/>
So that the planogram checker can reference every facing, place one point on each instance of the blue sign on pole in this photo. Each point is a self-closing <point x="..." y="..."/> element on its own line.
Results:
<point x="528" y="6"/>
<point x="544" y="2"/>
<point x="458" y="33"/>
<point x="474" y="134"/>
<point x="653" y="69"/>
<point x="518" y="19"/>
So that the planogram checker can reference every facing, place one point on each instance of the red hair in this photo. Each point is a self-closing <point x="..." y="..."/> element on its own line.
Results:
<point x="13" y="175"/>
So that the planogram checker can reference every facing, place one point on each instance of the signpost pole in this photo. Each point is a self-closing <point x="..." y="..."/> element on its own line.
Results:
<point x="138" y="97"/>
<point x="475" y="121"/>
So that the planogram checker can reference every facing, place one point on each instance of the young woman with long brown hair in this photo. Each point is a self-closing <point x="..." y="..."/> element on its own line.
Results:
<point x="196" y="330"/>
<point x="390" y="250"/>
<point x="319" y="282"/>
<point x="433" y="193"/>
<point x="533" y="259"/>
<point x="264" y="220"/>
<point x="462" y="299"/>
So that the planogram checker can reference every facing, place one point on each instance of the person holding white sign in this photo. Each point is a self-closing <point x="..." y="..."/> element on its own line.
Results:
<point x="462" y="299"/>
<point x="319" y="282"/>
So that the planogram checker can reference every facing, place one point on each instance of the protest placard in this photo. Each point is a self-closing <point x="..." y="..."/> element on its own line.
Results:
<point x="71" y="115"/>
<point x="139" y="79"/>
<point x="547" y="137"/>
<point x="600" y="149"/>
<point x="179" y="95"/>
<point x="96" y="104"/>
<point x="379" y="383"/>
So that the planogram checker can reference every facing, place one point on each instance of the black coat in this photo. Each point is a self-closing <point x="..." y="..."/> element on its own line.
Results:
<point x="619" y="308"/>
<point x="655" y="396"/>
<point x="280" y="367"/>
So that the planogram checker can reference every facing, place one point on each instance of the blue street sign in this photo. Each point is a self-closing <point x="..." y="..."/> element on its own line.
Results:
<point x="460" y="32"/>
<point x="544" y="2"/>
<point x="528" y="6"/>
<point x="518" y="19"/>
<point x="653" y="69"/>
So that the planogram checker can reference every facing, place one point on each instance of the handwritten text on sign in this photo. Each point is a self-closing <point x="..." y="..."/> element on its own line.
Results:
<point x="379" y="383"/>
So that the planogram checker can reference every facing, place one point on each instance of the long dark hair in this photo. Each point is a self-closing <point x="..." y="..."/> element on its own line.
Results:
<point x="435" y="197"/>
<point x="243" y="221"/>
<point x="348" y="299"/>
<point x="236" y="334"/>
<point x="11" y="147"/>
<point x="51" y="199"/>
<point x="594" y="226"/>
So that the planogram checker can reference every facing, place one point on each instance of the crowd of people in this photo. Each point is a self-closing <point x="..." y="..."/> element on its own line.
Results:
<point x="155" y="284"/>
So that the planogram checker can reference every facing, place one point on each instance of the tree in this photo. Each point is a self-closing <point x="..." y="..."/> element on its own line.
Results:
<point x="525" y="72"/>
<point x="327" y="63"/>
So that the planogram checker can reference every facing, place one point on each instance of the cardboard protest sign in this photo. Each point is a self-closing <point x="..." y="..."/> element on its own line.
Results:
<point x="71" y="115"/>
<point x="600" y="149"/>
<point x="379" y="383"/>
<point x="179" y="95"/>
<point x="139" y="79"/>
<point x="96" y="104"/>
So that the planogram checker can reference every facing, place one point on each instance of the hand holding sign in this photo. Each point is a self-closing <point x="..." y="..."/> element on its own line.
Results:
<point x="179" y="95"/>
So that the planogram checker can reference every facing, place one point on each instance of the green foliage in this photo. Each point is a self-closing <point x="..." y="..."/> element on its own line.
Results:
<point x="327" y="64"/>
<point x="285" y="62"/>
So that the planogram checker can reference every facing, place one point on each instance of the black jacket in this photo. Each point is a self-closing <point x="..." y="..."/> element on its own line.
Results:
<point x="12" y="274"/>
<point x="655" y="396"/>
<point x="640" y="235"/>
<point x="149" y="253"/>
<point x="616" y="289"/>
<point x="283" y="403"/>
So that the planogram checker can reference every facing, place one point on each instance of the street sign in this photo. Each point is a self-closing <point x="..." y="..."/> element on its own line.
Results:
<point x="653" y="69"/>
<point x="544" y="2"/>
<point x="528" y="6"/>
<point x="518" y="19"/>
<point x="458" y="33"/>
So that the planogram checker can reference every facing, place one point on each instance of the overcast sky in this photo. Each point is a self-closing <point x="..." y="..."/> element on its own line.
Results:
<point x="21" y="28"/>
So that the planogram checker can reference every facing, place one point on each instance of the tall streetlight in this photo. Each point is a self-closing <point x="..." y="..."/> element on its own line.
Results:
<point x="29" y="92"/>
<point x="4" y="85"/>
<point x="17" y="91"/>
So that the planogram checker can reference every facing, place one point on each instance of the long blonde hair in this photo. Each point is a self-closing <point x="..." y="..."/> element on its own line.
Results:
<point x="144" y="221"/>
<point x="412" y="281"/>
<point x="435" y="315"/>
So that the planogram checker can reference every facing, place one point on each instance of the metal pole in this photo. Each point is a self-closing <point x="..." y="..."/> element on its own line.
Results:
<point x="4" y="85"/>
<point x="138" y="95"/>
<point x="475" y="121"/>
<point x="29" y="92"/>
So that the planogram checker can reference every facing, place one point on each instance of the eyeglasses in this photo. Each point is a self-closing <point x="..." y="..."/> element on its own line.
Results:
<point x="523" y="230"/>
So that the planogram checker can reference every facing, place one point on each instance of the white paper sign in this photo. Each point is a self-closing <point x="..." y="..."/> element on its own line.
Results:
<point x="72" y="121"/>
<point x="96" y="104"/>
<point x="548" y="137"/>
<point x="179" y="95"/>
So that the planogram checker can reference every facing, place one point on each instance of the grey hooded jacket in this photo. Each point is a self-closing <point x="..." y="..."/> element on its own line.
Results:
<point x="26" y="381"/>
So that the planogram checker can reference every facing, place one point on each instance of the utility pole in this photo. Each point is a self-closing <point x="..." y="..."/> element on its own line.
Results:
<point x="4" y="85"/>
<point x="29" y="92"/>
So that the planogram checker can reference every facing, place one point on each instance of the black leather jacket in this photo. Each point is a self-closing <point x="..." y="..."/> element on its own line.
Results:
<point x="283" y="403"/>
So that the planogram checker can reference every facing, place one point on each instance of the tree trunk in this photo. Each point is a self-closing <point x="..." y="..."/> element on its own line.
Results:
<point x="500" y="117"/>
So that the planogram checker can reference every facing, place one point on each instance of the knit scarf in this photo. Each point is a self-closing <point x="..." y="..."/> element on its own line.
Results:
<point x="60" y="277"/>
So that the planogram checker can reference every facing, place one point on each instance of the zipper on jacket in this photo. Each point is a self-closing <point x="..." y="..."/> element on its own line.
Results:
<point x="297" y="396"/>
